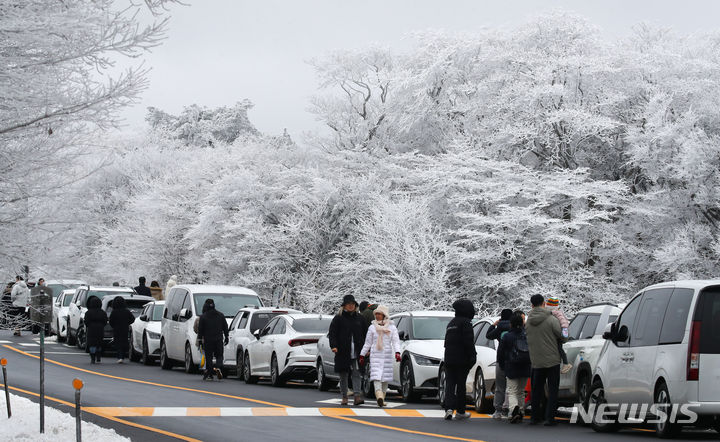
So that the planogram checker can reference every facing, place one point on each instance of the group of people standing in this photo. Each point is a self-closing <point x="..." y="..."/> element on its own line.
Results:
<point x="527" y="349"/>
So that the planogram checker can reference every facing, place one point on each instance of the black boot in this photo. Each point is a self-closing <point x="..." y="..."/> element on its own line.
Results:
<point x="92" y="358"/>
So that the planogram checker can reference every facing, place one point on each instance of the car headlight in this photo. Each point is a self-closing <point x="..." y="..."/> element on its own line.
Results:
<point x="153" y="335"/>
<point x="424" y="360"/>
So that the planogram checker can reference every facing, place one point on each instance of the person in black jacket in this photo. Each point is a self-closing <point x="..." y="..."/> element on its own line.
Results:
<point x="120" y="320"/>
<point x="514" y="359"/>
<point x="460" y="356"/>
<point x="496" y="331"/>
<point x="95" y="319"/>
<point x="213" y="333"/>
<point x="347" y="337"/>
<point x="142" y="289"/>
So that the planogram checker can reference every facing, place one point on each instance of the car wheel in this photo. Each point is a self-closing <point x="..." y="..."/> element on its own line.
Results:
<point x="247" y="371"/>
<point x="275" y="377"/>
<point x="583" y="389"/>
<point x="716" y="425"/>
<point x="367" y="385"/>
<point x="239" y="365"/>
<point x="165" y="362"/>
<point x="70" y="339"/>
<point x="81" y="338"/>
<point x="480" y="399"/>
<point x="190" y="366"/>
<point x="145" y="355"/>
<point x="597" y="398"/>
<point x="441" y="386"/>
<point x="664" y="428"/>
<point x="134" y="355"/>
<point x="60" y="338"/>
<point x="323" y="383"/>
<point x="407" y="382"/>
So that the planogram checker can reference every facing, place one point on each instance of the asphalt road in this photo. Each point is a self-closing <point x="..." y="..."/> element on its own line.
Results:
<point x="147" y="403"/>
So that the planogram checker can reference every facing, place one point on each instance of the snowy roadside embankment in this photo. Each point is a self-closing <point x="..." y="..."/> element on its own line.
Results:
<point x="24" y="425"/>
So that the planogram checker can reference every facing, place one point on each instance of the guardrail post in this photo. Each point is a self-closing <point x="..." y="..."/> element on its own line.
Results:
<point x="78" y="385"/>
<point x="3" y="362"/>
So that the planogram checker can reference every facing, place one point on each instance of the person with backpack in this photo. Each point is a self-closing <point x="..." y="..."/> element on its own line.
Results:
<point x="513" y="357"/>
<point x="460" y="356"/>
<point x="496" y="332"/>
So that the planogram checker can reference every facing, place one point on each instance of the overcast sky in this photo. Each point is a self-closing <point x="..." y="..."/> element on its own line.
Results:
<point x="222" y="51"/>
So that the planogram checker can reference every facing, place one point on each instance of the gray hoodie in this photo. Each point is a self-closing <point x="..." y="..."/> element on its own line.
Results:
<point x="20" y="295"/>
<point x="543" y="333"/>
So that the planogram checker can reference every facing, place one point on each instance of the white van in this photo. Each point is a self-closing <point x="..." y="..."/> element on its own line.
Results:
<point x="663" y="349"/>
<point x="183" y="305"/>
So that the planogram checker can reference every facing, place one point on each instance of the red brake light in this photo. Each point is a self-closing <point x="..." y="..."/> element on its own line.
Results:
<point x="298" y="342"/>
<point x="693" y="359"/>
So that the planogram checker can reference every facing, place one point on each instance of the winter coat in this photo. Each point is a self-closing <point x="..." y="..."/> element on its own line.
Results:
<point x="95" y="319"/>
<point x="512" y="369"/>
<point x="459" y="337"/>
<point x="496" y="331"/>
<point x="212" y="326"/>
<point x="144" y="290"/>
<point x="172" y="282"/>
<point x="156" y="293"/>
<point x="120" y="320"/>
<point x="381" y="361"/>
<point x="347" y="327"/>
<point x="20" y="295"/>
<point x="564" y="323"/>
<point x="369" y="313"/>
<point x="543" y="333"/>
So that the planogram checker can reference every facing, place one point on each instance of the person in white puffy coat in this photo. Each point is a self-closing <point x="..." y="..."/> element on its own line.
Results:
<point x="382" y="343"/>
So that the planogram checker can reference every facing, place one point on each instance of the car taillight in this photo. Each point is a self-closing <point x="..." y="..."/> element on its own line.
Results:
<point x="693" y="359"/>
<point x="298" y="342"/>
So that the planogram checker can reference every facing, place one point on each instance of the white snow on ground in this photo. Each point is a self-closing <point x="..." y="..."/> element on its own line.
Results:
<point x="24" y="425"/>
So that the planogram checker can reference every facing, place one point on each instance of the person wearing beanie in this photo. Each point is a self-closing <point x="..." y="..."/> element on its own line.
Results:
<point x="497" y="331"/>
<point x="460" y="356"/>
<point x="553" y="304"/>
<point x="347" y="336"/>
<point x="382" y="344"/>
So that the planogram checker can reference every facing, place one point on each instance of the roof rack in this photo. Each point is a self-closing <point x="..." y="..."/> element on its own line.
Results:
<point x="601" y="303"/>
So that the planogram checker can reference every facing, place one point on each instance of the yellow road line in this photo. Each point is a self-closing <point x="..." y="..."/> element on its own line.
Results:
<point x="174" y="387"/>
<point x="404" y="430"/>
<point x="112" y="418"/>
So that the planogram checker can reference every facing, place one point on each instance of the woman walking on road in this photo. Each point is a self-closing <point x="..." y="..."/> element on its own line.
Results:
<point x="120" y="320"/>
<point x="513" y="358"/>
<point x="347" y="336"/>
<point x="382" y="344"/>
<point x="95" y="320"/>
<point x="460" y="356"/>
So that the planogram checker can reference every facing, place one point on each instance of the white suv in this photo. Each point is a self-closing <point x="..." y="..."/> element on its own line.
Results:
<point x="183" y="305"/>
<point x="583" y="348"/>
<point x="663" y="349"/>
<point x="247" y="322"/>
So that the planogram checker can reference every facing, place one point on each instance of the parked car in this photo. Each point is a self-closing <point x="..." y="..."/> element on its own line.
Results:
<point x="422" y="339"/>
<point x="663" y="349"/>
<point x="145" y="341"/>
<point x="58" y="326"/>
<point x="286" y="348"/>
<point x="245" y="324"/>
<point x="584" y="344"/>
<point x="78" y="307"/>
<point x="480" y="384"/>
<point x="183" y="305"/>
<point x="59" y="285"/>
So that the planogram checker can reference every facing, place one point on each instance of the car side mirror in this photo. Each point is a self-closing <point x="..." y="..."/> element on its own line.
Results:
<point x="185" y="313"/>
<point x="609" y="331"/>
<point x="143" y="318"/>
<point x="622" y="334"/>
<point x="256" y="333"/>
<point x="403" y="336"/>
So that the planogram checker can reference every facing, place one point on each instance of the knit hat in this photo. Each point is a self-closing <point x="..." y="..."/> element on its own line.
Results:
<point x="552" y="302"/>
<point x="349" y="299"/>
<point x="384" y="310"/>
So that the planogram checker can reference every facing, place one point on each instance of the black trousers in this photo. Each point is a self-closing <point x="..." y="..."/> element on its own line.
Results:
<point x="541" y="376"/>
<point x="455" y="391"/>
<point x="213" y="349"/>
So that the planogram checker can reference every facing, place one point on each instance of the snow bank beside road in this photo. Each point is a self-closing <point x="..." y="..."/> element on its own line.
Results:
<point x="24" y="425"/>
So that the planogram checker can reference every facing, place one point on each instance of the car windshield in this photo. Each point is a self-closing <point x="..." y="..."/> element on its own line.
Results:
<point x="67" y="300"/>
<point x="102" y="293"/>
<point x="429" y="327"/>
<point x="226" y="303"/>
<point x="135" y="306"/>
<point x="157" y="313"/>
<point x="312" y="325"/>
<point x="260" y="320"/>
